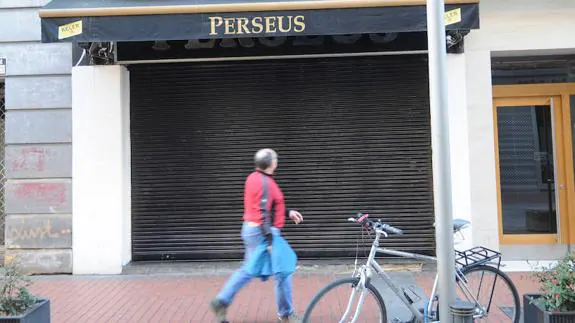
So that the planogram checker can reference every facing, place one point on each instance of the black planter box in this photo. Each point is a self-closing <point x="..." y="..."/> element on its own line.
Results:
<point x="40" y="313"/>
<point x="534" y="313"/>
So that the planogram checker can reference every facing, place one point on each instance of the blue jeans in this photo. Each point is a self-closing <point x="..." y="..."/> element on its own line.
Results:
<point x="253" y="237"/>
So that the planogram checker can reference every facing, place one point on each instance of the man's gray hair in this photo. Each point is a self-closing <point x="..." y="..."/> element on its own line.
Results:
<point x="264" y="158"/>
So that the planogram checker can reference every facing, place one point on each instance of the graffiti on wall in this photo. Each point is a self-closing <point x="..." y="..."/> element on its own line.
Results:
<point x="49" y="193"/>
<point x="30" y="158"/>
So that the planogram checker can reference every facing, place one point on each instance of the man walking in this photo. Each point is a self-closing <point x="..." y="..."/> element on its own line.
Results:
<point x="264" y="216"/>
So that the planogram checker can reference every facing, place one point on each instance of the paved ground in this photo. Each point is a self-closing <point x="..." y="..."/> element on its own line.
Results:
<point x="184" y="297"/>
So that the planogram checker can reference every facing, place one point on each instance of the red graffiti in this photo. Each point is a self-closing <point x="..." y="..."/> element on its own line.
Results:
<point x="52" y="193"/>
<point x="36" y="157"/>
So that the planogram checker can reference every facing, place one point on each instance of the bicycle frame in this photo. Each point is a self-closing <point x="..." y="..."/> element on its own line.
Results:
<point x="417" y="316"/>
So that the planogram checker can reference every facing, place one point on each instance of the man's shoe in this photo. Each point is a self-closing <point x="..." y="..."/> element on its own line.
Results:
<point x="291" y="319"/>
<point x="220" y="310"/>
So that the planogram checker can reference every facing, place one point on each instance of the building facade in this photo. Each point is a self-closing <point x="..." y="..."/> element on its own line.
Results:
<point x="513" y="61"/>
<point x="136" y="150"/>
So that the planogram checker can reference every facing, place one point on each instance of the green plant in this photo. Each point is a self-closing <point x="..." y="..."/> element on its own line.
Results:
<point x="558" y="285"/>
<point x="15" y="298"/>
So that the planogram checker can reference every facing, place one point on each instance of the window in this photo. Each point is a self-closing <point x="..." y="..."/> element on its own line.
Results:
<point x="533" y="70"/>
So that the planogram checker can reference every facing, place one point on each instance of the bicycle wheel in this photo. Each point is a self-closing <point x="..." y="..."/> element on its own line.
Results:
<point x="495" y="291"/>
<point x="325" y="305"/>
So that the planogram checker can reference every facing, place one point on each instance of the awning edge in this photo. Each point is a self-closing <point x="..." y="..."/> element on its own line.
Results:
<point x="237" y="7"/>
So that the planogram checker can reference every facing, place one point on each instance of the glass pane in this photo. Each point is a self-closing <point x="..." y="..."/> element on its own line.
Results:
<point x="533" y="70"/>
<point x="526" y="170"/>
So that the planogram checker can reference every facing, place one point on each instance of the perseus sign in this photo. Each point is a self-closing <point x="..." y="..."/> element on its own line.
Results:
<point x="256" y="25"/>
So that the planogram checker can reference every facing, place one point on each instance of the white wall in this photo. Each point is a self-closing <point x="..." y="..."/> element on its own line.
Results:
<point x="520" y="25"/>
<point x="126" y="169"/>
<point x="482" y="150"/>
<point x="508" y="27"/>
<point x="459" y="148"/>
<point x="101" y="168"/>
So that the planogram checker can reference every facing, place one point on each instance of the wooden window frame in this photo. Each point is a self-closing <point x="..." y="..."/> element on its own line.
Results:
<point x="529" y="94"/>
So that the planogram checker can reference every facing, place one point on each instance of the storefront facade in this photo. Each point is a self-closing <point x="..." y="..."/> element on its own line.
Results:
<point x="139" y="152"/>
<point x="522" y="57"/>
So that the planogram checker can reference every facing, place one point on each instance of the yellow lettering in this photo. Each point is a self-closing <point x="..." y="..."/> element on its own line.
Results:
<point x="299" y="22"/>
<point x="258" y="25"/>
<point x="243" y="26"/>
<point x="271" y="24"/>
<point x="214" y="24"/>
<point x="70" y="30"/>
<point x="281" y="24"/>
<point x="452" y="16"/>
<point x="229" y="23"/>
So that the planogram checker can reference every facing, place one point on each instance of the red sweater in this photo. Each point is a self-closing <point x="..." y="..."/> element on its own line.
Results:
<point x="253" y="194"/>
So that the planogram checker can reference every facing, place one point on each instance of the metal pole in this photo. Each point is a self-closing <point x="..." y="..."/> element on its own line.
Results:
<point x="441" y="156"/>
<point x="462" y="312"/>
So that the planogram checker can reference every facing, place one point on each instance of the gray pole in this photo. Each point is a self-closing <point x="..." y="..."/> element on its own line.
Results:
<point x="462" y="312"/>
<point x="441" y="161"/>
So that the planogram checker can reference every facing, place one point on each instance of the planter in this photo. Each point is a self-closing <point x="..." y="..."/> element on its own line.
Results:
<point x="40" y="313"/>
<point x="534" y="313"/>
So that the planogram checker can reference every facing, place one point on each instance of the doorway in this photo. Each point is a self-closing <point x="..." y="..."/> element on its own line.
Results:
<point x="534" y="163"/>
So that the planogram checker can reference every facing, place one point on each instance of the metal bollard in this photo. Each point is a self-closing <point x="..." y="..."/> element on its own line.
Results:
<point x="462" y="311"/>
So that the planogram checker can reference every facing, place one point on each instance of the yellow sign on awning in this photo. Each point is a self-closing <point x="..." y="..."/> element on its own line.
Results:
<point x="452" y="16"/>
<point x="70" y="30"/>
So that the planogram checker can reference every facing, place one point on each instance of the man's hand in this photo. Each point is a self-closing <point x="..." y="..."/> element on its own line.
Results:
<point x="295" y="216"/>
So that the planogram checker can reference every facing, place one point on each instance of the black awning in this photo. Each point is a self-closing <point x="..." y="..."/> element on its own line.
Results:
<point x="148" y="20"/>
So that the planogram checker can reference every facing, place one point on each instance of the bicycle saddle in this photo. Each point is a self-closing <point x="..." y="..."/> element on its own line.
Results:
<point x="459" y="224"/>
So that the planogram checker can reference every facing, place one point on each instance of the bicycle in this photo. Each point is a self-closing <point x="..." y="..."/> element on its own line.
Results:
<point x="468" y="262"/>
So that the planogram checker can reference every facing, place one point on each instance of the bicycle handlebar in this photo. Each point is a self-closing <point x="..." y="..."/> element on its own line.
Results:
<point x="364" y="220"/>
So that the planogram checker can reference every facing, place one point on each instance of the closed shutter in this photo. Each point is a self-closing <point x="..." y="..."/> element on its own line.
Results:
<point x="352" y="134"/>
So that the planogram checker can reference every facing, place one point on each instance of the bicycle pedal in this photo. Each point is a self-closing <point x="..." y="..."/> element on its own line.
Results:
<point x="411" y="294"/>
<point x="415" y="290"/>
<point x="409" y="299"/>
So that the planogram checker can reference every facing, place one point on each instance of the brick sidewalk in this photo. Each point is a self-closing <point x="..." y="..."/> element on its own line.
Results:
<point x="178" y="298"/>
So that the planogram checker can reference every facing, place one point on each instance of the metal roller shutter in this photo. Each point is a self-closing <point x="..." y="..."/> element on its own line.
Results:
<point x="353" y="134"/>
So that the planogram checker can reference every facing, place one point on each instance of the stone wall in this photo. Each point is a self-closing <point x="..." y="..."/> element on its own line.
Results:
<point x="38" y="139"/>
